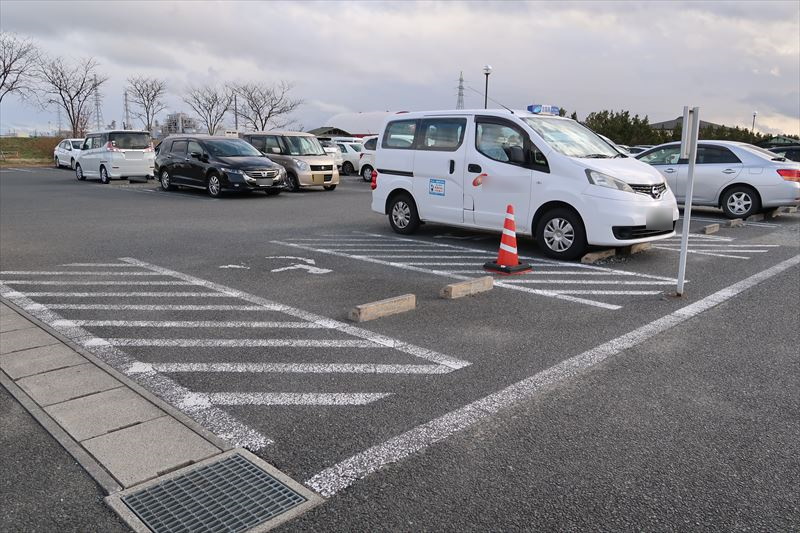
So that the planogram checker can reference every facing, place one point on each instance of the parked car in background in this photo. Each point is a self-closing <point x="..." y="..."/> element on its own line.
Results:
<point x="366" y="159"/>
<point x="616" y="146"/>
<point x="639" y="148"/>
<point x="306" y="162"/>
<point x="216" y="164"/>
<point x="333" y="150"/>
<point x="351" y="152"/>
<point x="66" y="152"/>
<point x="739" y="178"/>
<point x="570" y="189"/>
<point x="115" y="154"/>
<point x="790" y="151"/>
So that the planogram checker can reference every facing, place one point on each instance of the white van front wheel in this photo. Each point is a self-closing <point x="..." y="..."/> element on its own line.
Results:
<point x="403" y="216"/>
<point x="561" y="235"/>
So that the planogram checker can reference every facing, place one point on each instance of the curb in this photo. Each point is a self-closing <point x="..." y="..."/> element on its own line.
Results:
<point x="467" y="288"/>
<point x="382" y="308"/>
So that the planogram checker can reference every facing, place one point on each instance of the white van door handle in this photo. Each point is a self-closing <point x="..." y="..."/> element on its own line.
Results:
<point x="728" y="171"/>
<point x="452" y="166"/>
<point x="670" y="170"/>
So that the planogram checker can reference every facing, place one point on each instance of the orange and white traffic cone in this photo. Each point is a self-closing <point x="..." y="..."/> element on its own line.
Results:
<point x="507" y="257"/>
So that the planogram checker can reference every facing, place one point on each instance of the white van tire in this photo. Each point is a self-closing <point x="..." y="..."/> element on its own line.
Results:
<point x="403" y="215"/>
<point x="104" y="179"/>
<point x="79" y="173"/>
<point x="561" y="235"/>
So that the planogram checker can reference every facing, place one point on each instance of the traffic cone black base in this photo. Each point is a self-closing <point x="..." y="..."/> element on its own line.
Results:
<point x="521" y="268"/>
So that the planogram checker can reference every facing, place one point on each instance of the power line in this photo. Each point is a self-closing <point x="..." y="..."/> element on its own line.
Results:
<point x="98" y="110"/>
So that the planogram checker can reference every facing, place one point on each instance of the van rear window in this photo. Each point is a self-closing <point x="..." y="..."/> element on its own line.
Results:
<point x="130" y="140"/>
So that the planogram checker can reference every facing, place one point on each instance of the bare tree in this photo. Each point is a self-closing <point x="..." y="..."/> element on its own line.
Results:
<point x="18" y="60"/>
<point x="210" y="103"/>
<point x="146" y="94"/>
<point x="263" y="105"/>
<point x="71" y="87"/>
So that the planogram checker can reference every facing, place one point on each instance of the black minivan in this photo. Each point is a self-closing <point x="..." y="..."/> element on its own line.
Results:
<point x="216" y="164"/>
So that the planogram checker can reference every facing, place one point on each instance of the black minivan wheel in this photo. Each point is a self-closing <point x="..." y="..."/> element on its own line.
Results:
<point x="403" y="216"/>
<point x="164" y="178"/>
<point x="561" y="234"/>
<point x="214" y="186"/>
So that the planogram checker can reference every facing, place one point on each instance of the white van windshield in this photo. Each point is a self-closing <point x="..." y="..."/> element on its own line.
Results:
<point x="570" y="138"/>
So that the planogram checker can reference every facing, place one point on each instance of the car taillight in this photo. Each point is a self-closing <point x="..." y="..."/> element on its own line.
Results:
<point x="111" y="148"/>
<point x="374" y="184"/>
<point x="790" y="174"/>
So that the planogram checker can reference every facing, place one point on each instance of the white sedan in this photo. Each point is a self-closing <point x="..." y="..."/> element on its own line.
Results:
<point x="739" y="178"/>
<point x="66" y="152"/>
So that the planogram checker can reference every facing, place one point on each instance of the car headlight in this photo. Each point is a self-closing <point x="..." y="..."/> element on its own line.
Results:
<point x="232" y="170"/>
<point x="302" y="165"/>
<point x="604" y="180"/>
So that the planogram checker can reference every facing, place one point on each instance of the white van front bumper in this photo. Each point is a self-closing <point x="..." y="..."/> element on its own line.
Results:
<point x="616" y="222"/>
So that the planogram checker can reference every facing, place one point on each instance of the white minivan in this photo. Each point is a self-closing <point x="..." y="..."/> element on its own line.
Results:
<point x="116" y="154"/>
<point x="569" y="188"/>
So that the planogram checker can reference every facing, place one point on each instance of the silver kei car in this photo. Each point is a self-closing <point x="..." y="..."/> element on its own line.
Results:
<point x="739" y="178"/>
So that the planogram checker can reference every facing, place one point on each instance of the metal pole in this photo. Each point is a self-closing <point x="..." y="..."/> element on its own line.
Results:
<point x="235" y="113"/>
<point x="486" y="92"/>
<point x="753" y="129"/>
<point x="691" y="138"/>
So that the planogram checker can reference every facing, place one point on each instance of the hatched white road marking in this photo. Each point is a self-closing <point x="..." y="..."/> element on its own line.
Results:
<point x="301" y="368"/>
<point x="298" y="398"/>
<point x="132" y="307"/>
<point x="239" y="343"/>
<point x="448" y="255"/>
<point x="211" y="324"/>
<point x="120" y="265"/>
<point x="130" y="294"/>
<point x="343" y="474"/>
<point x="74" y="273"/>
<point x="89" y="283"/>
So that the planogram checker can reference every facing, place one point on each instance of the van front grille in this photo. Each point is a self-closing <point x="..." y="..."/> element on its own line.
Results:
<point x="654" y="191"/>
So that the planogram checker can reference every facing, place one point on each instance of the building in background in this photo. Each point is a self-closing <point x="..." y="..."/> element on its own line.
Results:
<point x="179" y="123"/>
<point x="354" y="124"/>
<point x="670" y="125"/>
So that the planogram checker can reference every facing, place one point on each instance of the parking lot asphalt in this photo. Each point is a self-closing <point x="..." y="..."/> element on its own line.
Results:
<point x="261" y="331"/>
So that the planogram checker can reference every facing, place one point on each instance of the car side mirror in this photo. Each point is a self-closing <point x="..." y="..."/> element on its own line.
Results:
<point x="516" y="155"/>
<point x="276" y="150"/>
<point x="196" y="155"/>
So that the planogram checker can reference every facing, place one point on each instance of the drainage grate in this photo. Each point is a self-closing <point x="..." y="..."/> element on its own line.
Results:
<point x="230" y="495"/>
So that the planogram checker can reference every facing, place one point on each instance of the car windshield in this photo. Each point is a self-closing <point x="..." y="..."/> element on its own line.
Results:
<point x="77" y="144"/>
<point x="355" y="147"/>
<point x="129" y="140"/>
<point x="570" y="138"/>
<point x="303" y="145"/>
<point x="231" y="148"/>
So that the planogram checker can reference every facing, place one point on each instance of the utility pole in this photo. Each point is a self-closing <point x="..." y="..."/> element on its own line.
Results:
<point x="58" y="118"/>
<point x="98" y="108"/>
<point x="460" y="101"/>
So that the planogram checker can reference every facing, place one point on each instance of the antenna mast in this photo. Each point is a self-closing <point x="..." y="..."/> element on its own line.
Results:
<point x="460" y="102"/>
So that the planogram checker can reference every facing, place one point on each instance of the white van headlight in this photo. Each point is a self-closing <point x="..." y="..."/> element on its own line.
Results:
<point x="604" y="180"/>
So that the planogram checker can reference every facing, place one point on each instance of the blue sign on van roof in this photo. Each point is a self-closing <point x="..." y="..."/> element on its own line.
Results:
<point x="540" y="109"/>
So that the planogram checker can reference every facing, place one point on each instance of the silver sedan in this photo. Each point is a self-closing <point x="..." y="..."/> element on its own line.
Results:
<point x="739" y="178"/>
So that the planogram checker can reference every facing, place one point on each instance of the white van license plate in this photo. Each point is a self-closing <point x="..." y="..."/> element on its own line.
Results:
<point x="660" y="219"/>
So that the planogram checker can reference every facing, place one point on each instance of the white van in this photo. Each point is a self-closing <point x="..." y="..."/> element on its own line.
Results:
<point x="569" y="188"/>
<point x="116" y="154"/>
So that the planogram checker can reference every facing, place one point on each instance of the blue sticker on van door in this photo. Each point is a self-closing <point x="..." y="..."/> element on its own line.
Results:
<point x="436" y="187"/>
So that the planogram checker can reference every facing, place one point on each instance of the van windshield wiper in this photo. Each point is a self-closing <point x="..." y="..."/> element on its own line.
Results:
<point x="596" y="156"/>
<point x="620" y="155"/>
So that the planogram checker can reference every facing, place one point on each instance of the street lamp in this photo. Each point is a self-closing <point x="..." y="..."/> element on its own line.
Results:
<point x="753" y="129"/>
<point x="486" y="71"/>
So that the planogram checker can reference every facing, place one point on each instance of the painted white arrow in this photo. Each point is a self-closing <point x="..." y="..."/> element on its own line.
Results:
<point x="311" y="269"/>
<point x="303" y="259"/>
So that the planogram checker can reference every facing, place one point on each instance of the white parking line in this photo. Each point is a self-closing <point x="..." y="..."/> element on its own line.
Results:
<point x="608" y="292"/>
<point x="698" y="252"/>
<point x="129" y="294"/>
<point x="286" y="398"/>
<point x="76" y="282"/>
<point x="343" y="474"/>
<point x="75" y="273"/>
<point x="587" y="281"/>
<point x="132" y="307"/>
<point x="212" y="324"/>
<point x="234" y="343"/>
<point x="118" y="265"/>
<point x="301" y="368"/>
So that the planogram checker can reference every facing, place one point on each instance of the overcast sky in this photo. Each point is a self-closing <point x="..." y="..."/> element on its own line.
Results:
<point x="651" y="58"/>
